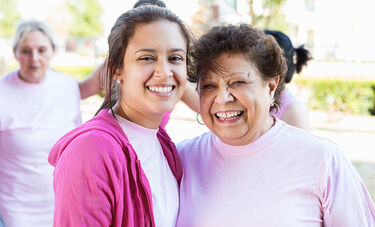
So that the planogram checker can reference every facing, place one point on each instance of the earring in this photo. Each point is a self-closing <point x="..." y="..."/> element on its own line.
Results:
<point x="118" y="81"/>
<point x="273" y="113"/>
<point x="201" y="123"/>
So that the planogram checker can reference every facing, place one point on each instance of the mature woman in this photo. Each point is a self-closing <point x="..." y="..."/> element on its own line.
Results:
<point x="253" y="169"/>
<point x="38" y="106"/>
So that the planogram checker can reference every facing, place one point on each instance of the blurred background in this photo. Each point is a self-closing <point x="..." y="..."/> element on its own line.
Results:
<point x="338" y="84"/>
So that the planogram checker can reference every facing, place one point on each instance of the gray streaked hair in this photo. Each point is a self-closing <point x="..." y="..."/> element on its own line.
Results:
<point x="27" y="26"/>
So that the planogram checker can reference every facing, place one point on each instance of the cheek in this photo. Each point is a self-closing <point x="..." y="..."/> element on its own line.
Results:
<point x="205" y="103"/>
<point x="46" y="59"/>
<point x="137" y="76"/>
<point x="181" y="74"/>
<point x="23" y="59"/>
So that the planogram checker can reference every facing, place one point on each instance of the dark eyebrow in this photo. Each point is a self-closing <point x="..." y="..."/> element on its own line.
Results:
<point x="153" y="51"/>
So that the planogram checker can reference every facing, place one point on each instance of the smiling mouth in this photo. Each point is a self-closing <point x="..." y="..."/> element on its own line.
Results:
<point x="165" y="90"/>
<point x="231" y="115"/>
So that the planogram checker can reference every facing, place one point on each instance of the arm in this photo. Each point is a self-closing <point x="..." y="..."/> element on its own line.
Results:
<point x="345" y="201"/>
<point x="190" y="97"/>
<point x="83" y="184"/>
<point x="92" y="84"/>
<point x="297" y="114"/>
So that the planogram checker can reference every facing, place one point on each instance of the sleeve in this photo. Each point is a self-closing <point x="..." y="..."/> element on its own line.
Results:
<point x="346" y="201"/>
<point x="85" y="183"/>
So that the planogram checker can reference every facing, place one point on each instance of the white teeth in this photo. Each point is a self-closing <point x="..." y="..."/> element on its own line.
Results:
<point x="160" y="89"/>
<point x="232" y="114"/>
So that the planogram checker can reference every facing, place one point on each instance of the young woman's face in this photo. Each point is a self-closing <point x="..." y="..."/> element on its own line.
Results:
<point x="235" y="106"/>
<point x="34" y="54"/>
<point x="154" y="73"/>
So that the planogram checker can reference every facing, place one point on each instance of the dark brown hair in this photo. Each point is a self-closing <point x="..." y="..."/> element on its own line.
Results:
<point x="262" y="50"/>
<point x="149" y="2"/>
<point x="122" y="32"/>
<point x="302" y="55"/>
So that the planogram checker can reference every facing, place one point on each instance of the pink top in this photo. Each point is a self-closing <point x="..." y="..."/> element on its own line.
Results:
<point x="33" y="116"/>
<point x="287" y="98"/>
<point x="98" y="179"/>
<point x="285" y="178"/>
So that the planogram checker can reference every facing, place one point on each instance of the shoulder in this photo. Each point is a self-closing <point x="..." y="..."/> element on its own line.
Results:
<point x="60" y="83"/>
<point x="304" y="141"/>
<point x="6" y="80"/>
<point x="194" y="145"/>
<point x="7" y="89"/>
<point x="62" y="78"/>
<point x="93" y="149"/>
<point x="297" y="114"/>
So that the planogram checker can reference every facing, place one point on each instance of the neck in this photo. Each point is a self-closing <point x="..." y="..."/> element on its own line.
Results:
<point x="250" y="137"/>
<point x="126" y="112"/>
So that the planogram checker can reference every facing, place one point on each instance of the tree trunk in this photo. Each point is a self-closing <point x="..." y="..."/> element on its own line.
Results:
<point x="252" y="13"/>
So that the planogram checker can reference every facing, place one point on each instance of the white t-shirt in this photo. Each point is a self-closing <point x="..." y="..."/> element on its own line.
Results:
<point x="163" y="184"/>
<point x="32" y="118"/>
<point x="285" y="178"/>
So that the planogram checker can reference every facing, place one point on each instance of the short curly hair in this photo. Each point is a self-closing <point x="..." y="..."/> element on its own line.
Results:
<point x="260" y="49"/>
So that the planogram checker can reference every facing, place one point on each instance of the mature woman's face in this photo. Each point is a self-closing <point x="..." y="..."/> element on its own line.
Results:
<point x="235" y="105"/>
<point x="34" y="54"/>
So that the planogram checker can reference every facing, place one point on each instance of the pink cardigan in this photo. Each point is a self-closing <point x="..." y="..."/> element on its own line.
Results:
<point x="98" y="179"/>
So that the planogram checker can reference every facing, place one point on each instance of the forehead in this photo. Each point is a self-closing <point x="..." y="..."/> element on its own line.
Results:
<point x="231" y="65"/>
<point x="35" y="38"/>
<point x="161" y="33"/>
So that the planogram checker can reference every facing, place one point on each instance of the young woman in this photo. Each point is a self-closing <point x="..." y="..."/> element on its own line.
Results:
<point x="120" y="168"/>
<point x="292" y="110"/>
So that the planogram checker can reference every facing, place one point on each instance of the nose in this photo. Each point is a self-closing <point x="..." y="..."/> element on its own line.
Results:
<point x="223" y="96"/>
<point x="163" y="69"/>
<point x="35" y="55"/>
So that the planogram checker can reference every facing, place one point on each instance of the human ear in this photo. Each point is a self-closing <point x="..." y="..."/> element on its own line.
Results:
<point x="118" y="76"/>
<point x="272" y="85"/>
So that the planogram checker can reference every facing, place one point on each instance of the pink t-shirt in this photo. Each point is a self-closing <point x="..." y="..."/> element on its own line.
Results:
<point x="163" y="184"/>
<point x="286" y="178"/>
<point x="32" y="118"/>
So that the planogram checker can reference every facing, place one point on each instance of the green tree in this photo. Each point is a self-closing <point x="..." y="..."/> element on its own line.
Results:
<point x="9" y="17"/>
<point x="86" y="18"/>
<point x="270" y="17"/>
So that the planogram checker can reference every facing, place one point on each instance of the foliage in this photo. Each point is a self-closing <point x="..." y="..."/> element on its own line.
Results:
<point x="86" y="18"/>
<point x="9" y="17"/>
<point x="270" y="17"/>
<point x="351" y="96"/>
<point x="79" y="73"/>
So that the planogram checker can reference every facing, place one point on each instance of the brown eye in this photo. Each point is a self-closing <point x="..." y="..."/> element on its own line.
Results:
<point x="176" y="58"/>
<point x="25" y="51"/>
<point x="207" y="86"/>
<point x="238" y="82"/>
<point x="147" y="58"/>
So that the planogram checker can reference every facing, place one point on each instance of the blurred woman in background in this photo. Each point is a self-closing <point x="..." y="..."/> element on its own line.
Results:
<point x="292" y="110"/>
<point x="38" y="106"/>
